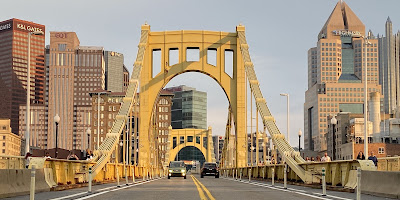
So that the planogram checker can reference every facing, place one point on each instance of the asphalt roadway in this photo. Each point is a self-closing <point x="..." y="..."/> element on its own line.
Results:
<point x="195" y="187"/>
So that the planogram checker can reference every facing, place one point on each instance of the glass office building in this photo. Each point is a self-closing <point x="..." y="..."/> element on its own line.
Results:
<point x="189" y="108"/>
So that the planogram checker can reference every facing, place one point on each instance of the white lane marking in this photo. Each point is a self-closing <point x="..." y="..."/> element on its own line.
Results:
<point x="336" y="197"/>
<point x="69" y="196"/>
<point x="284" y="190"/>
<point x="296" y="190"/>
<point x="93" y="195"/>
<point x="100" y="193"/>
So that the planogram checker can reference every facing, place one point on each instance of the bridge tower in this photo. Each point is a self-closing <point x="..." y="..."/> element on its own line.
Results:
<point x="205" y="42"/>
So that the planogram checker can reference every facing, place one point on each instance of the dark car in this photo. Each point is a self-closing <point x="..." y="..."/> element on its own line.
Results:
<point x="177" y="168"/>
<point x="209" y="169"/>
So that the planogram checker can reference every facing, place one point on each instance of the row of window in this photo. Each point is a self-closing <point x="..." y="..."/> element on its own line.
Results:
<point x="163" y="109"/>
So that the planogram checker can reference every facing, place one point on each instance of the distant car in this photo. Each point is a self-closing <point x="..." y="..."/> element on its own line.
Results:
<point x="209" y="169"/>
<point x="177" y="168"/>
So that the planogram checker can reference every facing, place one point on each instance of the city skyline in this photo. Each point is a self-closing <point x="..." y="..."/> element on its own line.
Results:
<point x="269" y="53"/>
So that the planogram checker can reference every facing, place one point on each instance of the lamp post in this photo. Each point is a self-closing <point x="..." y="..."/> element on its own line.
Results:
<point x="121" y="144"/>
<point x="56" y="120"/>
<point x="334" y="122"/>
<point x="288" y="135"/>
<point x="300" y="133"/>
<point x="88" y="131"/>
<point x="98" y="118"/>
<point x="366" y="43"/>
<point x="28" y="91"/>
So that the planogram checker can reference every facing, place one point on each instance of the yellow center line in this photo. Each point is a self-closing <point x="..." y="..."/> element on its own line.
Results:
<point x="201" y="193"/>
<point x="205" y="189"/>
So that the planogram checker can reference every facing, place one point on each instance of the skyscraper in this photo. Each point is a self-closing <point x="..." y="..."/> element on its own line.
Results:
<point x="389" y="46"/>
<point x="336" y="73"/>
<point x="114" y="64"/>
<point x="13" y="67"/>
<point x="189" y="108"/>
<point x="74" y="71"/>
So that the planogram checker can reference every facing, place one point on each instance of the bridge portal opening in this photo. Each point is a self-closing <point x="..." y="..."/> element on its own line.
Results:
<point x="190" y="153"/>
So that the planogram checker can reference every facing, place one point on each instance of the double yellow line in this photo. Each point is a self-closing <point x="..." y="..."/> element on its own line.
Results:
<point x="200" y="188"/>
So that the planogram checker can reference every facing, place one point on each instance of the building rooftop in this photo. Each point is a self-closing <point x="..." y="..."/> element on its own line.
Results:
<point x="342" y="18"/>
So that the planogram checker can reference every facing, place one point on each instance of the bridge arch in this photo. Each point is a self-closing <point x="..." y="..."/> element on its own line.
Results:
<point x="233" y="86"/>
<point x="201" y="139"/>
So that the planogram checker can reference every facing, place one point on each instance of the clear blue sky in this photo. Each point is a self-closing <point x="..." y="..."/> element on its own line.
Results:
<point x="279" y="34"/>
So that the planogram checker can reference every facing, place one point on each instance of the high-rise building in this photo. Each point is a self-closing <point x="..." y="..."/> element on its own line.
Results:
<point x="163" y="120"/>
<point x="13" y="67"/>
<point x="189" y="108"/>
<point x="10" y="142"/>
<point x="336" y="73"/>
<point x="74" y="71"/>
<point x="389" y="66"/>
<point x="126" y="79"/>
<point x="114" y="64"/>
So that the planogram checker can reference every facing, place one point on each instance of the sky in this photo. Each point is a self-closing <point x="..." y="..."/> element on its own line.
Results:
<point x="279" y="34"/>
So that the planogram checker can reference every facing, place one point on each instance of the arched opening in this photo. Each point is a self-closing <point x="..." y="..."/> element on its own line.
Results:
<point x="190" y="153"/>
<point x="217" y="100"/>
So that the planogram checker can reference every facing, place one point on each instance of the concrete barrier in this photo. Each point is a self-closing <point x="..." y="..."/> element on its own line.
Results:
<point x="14" y="182"/>
<point x="381" y="183"/>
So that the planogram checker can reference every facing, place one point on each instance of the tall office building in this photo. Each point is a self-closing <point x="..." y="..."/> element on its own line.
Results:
<point x="389" y="47"/>
<point x="189" y="108"/>
<point x="336" y="73"/>
<point x="126" y="79"/>
<point x="114" y="65"/>
<point x="74" y="71"/>
<point x="13" y="67"/>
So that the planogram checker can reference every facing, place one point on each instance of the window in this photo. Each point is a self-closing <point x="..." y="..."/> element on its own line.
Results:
<point x="381" y="150"/>
<point x="61" y="47"/>
<point x="192" y="54"/>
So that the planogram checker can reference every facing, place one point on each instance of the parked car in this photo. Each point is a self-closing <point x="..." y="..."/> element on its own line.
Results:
<point x="177" y="168"/>
<point x="209" y="169"/>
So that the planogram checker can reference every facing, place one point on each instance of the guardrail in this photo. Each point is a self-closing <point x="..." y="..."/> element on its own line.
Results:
<point x="338" y="173"/>
<point x="389" y="164"/>
<point x="12" y="162"/>
<point x="74" y="172"/>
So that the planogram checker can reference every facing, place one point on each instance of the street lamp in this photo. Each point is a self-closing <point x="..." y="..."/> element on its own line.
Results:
<point x="300" y="133"/>
<point x="121" y="144"/>
<point x="98" y="118"/>
<point x="287" y="96"/>
<point x="334" y="122"/>
<point x="88" y="131"/>
<point x="28" y="91"/>
<point x="56" y="120"/>
<point x="366" y="43"/>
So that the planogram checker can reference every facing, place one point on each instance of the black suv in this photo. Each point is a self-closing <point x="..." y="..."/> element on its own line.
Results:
<point x="209" y="169"/>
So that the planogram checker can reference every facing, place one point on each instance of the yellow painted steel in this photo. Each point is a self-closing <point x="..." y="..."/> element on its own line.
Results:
<point x="151" y="84"/>
<point x="389" y="164"/>
<point x="208" y="152"/>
